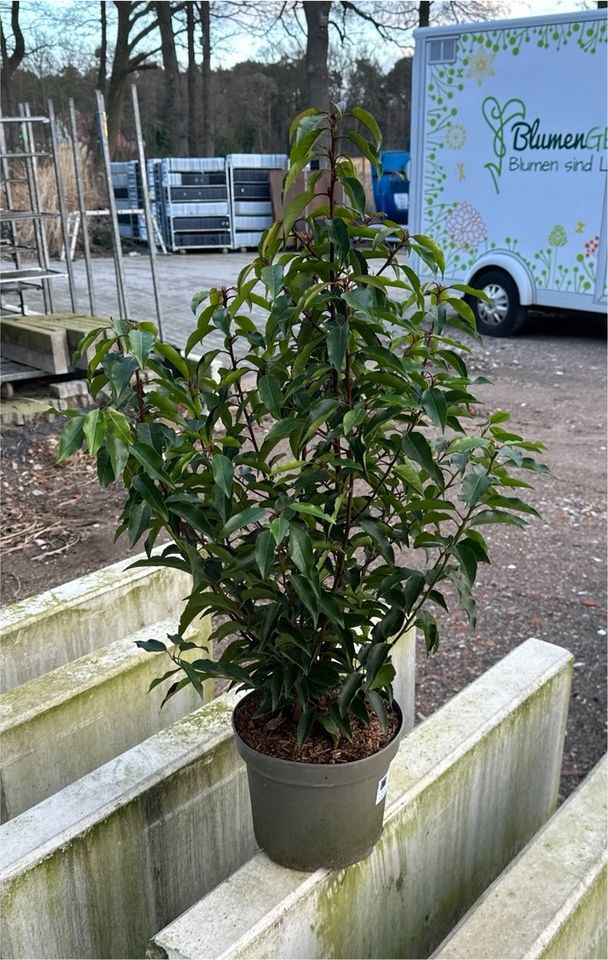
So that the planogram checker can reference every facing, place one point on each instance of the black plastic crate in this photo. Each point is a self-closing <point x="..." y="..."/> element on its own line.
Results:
<point x="197" y="194"/>
<point x="204" y="179"/>
<point x="252" y="191"/>
<point x="201" y="239"/>
<point x="201" y="223"/>
<point x="121" y="193"/>
<point x="246" y="175"/>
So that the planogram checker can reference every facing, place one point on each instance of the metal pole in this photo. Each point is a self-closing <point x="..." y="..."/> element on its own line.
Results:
<point x="118" y="263"/>
<point x="6" y="176"/>
<point x="82" y="206"/>
<point x="147" y="212"/>
<point x="61" y="205"/>
<point x="32" y="183"/>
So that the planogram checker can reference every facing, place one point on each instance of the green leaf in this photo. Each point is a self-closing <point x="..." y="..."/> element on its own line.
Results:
<point x="339" y="237"/>
<point x="368" y="121"/>
<point x="474" y="486"/>
<point x="151" y="461"/>
<point x="272" y="277"/>
<point x="105" y="470"/>
<point x="373" y="529"/>
<point x="376" y="702"/>
<point x="152" y="646"/>
<point x="351" y="686"/>
<point x="467" y="556"/>
<point x="197" y="299"/>
<point x="242" y="519"/>
<point x="118" y="452"/>
<point x="300" y="548"/>
<point x="270" y="394"/>
<point x="356" y="193"/>
<point x="497" y="516"/>
<point x="311" y="510"/>
<point x="140" y="344"/>
<point x="172" y="355"/>
<point x="435" y="406"/>
<point x="264" y="552"/>
<point x="367" y="150"/>
<point x="94" y="430"/>
<point x="407" y="471"/>
<point x="305" y="725"/>
<point x="306" y="595"/>
<point x="292" y="213"/>
<point x="117" y="423"/>
<point x="351" y="419"/>
<point x="71" y="438"/>
<point x="297" y="120"/>
<point x="191" y="512"/>
<point x="147" y="489"/>
<point x="337" y="339"/>
<point x="222" y="470"/>
<point x="279" y="528"/>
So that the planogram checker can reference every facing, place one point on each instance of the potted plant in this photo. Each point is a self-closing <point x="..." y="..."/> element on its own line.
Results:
<point x="323" y="475"/>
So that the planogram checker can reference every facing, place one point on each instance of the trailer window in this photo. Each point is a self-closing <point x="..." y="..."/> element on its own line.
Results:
<point x="442" y="50"/>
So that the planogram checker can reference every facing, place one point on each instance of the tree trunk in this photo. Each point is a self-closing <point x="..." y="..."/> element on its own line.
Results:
<point x="191" y="82"/>
<point x="208" y="138"/>
<point x="424" y="13"/>
<point x="174" y="118"/>
<point x="317" y="74"/>
<point x="10" y="62"/>
<point x="120" y="70"/>
<point x="102" y="73"/>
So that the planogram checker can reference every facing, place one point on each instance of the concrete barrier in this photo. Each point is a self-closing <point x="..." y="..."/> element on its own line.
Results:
<point x="468" y="789"/>
<point x="44" y="632"/>
<point x="551" y="900"/>
<point x="98" y="868"/>
<point x="58" y="727"/>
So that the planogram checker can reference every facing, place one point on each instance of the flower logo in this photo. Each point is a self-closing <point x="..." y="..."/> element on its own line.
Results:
<point x="455" y="136"/>
<point x="557" y="236"/>
<point x="465" y="226"/>
<point x="592" y="246"/>
<point x="480" y="65"/>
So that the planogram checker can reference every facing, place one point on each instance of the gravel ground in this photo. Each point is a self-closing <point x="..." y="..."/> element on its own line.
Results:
<point x="547" y="582"/>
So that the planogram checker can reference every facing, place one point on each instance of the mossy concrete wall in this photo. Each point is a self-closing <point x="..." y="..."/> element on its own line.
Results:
<point x="467" y="790"/>
<point x="44" y="632"/>
<point x="98" y="868"/>
<point x="60" y="726"/>
<point x="551" y="900"/>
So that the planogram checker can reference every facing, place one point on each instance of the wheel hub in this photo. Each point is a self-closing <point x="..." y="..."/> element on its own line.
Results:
<point x="495" y="310"/>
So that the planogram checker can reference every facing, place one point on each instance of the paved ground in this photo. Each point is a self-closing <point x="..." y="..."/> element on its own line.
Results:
<point x="547" y="582"/>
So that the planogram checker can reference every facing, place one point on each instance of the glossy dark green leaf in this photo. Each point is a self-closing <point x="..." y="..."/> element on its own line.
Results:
<point x="222" y="470"/>
<point x="270" y="394"/>
<point x="337" y="339"/>
<point x="264" y="552"/>
<point x="300" y="548"/>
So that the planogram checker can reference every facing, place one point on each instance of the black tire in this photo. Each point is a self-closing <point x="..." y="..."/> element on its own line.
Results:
<point x="505" y="315"/>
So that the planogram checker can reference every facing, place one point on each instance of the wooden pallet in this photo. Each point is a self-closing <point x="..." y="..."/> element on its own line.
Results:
<point x="46" y="342"/>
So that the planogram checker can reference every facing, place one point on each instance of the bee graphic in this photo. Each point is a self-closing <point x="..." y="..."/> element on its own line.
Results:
<point x="460" y="170"/>
<point x="580" y="226"/>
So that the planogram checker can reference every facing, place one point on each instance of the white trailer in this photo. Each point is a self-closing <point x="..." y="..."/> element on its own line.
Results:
<point x="508" y="169"/>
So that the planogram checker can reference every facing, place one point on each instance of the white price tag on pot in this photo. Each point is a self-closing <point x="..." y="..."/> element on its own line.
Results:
<point x="382" y="789"/>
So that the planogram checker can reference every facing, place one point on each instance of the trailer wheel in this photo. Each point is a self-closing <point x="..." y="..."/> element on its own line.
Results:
<point x="503" y="315"/>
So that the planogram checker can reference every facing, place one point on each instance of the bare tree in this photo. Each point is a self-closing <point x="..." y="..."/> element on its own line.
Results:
<point x="10" y="61"/>
<point x="102" y="50"/>
<point x="192" y="135"/>
<point x="207" y="137"/>
<point x="317" y="45"/>
<point x="174" y="112"/>
<point x="129" y="34"/>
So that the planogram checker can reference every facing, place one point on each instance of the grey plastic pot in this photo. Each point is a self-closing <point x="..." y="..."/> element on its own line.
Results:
<point x="311" y="815"/>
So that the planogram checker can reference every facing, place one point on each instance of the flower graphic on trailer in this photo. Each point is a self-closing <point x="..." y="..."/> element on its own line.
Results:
<point x="557" y="236"/>
<point x="480" y="65"/>
<point x="465" y="226"/>
<point x="592" y="246"/>
<point x="455" y="136"/>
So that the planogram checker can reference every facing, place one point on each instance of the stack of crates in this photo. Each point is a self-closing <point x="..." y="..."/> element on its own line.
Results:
<point x="195" y="206"/>
<point x="120" y="188"/>
<point x="250" y="198"/>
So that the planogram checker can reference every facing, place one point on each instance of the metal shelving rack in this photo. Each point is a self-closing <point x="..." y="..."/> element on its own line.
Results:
<point x="14" y="163"/>
<point x="250" y="198"/>
<point x="194" y="196"/>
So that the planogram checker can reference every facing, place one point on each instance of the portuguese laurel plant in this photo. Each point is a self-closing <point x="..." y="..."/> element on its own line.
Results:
<point x="322" y="474"/>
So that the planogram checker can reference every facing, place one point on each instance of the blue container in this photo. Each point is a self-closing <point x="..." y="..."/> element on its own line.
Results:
<point x="391" y="191"/>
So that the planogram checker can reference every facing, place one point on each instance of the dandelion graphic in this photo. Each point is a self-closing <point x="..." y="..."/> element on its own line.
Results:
<point x="557" y="236"/>
<point x="592" y="246"/>
<point x="465" y="226"/>
<point x="455" y="136"/>
<point x="460" y="171"/>
<point x="480" y="65"/>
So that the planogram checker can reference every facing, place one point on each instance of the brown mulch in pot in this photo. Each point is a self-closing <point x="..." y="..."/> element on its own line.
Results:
<point x="277" y="737"/>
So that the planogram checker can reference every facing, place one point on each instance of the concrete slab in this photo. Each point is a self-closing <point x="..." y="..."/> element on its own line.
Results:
<point x="467" y="790"/>
<point x="42" y="347"/>
<point x="60" y="726"/>
<point x="551" y="900"/>
<point x="98" y="868"/>
<point x="83" y="615"/>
